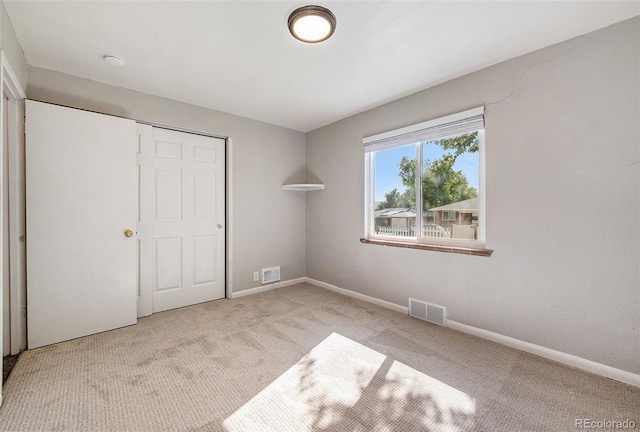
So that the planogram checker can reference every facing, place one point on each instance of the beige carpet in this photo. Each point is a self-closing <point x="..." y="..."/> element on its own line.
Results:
<point x="298" y="359"/>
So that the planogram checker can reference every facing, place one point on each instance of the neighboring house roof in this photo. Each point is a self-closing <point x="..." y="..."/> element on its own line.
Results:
<point x="400" y="213"/>
<point x="388" y="212"/>
<point x="466" y="206"/>
<point x="404" y="214"/>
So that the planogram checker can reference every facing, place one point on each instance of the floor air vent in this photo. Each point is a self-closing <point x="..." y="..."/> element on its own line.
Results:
<point x="428" y="312"/>
<point x="271" y="274"/>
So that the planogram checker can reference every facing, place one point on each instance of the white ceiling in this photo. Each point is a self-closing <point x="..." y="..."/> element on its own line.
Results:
<point x="238" y="56"/>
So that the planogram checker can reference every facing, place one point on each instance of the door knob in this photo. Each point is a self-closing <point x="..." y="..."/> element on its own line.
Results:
<point x="128" y="233"/>
<point x="219" y="226"/>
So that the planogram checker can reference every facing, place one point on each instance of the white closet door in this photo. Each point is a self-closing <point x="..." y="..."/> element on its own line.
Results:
<point x="81" y="185"/>
<point x="188" y="216"/>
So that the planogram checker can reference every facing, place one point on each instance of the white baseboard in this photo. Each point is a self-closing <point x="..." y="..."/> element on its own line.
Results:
<point x="551" y="354"/>
<point x="348" y="293"/>
<point x="267" y="287"/>
<point x="560" y="357"/>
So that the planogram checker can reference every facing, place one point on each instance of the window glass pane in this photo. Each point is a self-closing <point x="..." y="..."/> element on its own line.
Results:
<point x="395" y="192"/>
<point x="450" y="187"/>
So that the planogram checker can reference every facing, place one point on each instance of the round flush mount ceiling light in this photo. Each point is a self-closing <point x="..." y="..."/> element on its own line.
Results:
<point x="113" y="60"/>
<point x="312" y="24"/>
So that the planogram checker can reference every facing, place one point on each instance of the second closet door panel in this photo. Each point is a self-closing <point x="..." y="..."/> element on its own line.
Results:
<point x="188" y="219"/>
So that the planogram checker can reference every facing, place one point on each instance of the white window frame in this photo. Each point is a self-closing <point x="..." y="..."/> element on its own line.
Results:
<point x="395" y="138"/>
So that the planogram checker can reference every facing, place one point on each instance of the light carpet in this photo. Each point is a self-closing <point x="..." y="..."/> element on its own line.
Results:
<point x="297" y="359"/>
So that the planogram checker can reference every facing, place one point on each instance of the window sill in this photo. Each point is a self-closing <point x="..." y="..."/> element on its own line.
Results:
<point x="428" y="247"/>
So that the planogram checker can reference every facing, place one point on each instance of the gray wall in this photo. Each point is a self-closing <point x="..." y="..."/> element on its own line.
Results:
<point x="12" y="48"/>
<point x="563" y="199"/>
<point x="268" y="223"/>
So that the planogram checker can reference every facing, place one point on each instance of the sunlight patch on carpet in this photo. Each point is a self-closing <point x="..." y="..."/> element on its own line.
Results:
<point x="341" y="384"/>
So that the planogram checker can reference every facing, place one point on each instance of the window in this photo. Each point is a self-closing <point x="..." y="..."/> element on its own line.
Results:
<point x="448" y="215"/>
<point x="424" y="183"/>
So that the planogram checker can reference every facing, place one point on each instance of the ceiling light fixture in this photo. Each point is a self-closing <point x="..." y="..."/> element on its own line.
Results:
<point x="113" y="60"/>
<point x="312" y="24"/>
